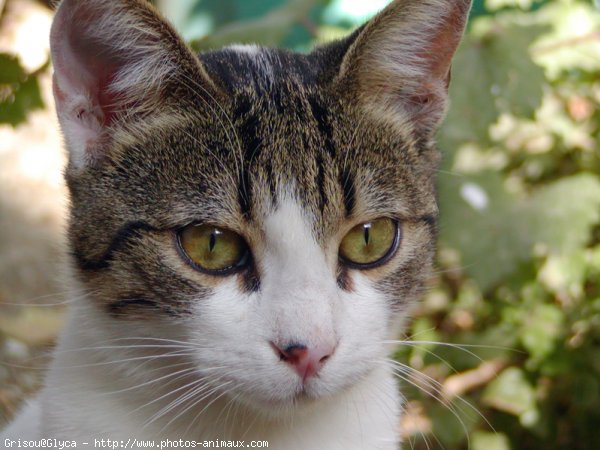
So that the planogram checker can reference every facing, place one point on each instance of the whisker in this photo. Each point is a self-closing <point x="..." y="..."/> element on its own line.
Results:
<point x="136" y="358"/>
<point x="462" y="347"/>
<point x="182" y="399"/>
<point x="437" y="394"/>
<point x="436" y="386"/>
<point x="156" y="369"/>
<point x="181" y="374"/>
<point x="419" y="343"/>
<point x="434" y="355"/>
<point x="168" y="394"/>
<point x="122" y="347"/>
<point x="208" y="405"/>
<point x="147" y="338"/>
<point x="50" y="305"/>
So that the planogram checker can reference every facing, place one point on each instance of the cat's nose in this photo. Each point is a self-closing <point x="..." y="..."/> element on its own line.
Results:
<point x="306" y="361"/>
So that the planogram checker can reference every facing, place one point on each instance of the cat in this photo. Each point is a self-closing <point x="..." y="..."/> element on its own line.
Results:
<point x="248" y="228"/>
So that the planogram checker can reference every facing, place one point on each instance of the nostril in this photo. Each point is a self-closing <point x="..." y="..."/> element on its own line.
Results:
<point x="281" y="355"/>
<point x="278" y="352"/>
<point x="294" y="349"/>
<point x="324" y="358"/>
<point x="293" y="353"/>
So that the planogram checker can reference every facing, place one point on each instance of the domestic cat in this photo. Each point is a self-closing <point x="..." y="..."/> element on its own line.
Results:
<point x="248" y="228"/>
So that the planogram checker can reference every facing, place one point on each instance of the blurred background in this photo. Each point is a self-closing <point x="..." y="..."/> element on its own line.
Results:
<point x="506" y="351"/>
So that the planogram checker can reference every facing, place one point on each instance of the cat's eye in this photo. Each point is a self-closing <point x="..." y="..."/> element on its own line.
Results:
<point x="370" y="244"/>
<point x="213" y="250"/>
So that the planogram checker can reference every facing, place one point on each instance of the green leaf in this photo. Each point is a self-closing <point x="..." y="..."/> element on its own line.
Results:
<point x="269" y="30"/>
<point x="495" y="231"/>
<point x="10" y="69"/>
<point x="479" y="218"/>
<point x="492" y="73"/>
<point x="565" y="273"/>
<point x="484" y="440"/>
<point x="18" y="98"/>
<point x="495" y="5"/>
<point x="572" y="43"/>
<point x="473" y="107"/>
<point x="517" y="80"/>
<point x="594" y="262"/>
<point x="452" y="422"/>
<point x="561" y="214"/>
<point x="541" y="328"/>
<point x="512" y="393"/>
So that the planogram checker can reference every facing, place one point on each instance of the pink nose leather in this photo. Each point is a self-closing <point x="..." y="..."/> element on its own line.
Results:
<point x="306" y="361"/>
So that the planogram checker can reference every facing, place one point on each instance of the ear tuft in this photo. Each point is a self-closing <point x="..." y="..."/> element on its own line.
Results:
<point x="400" y="61"/>
<point x="114" y="62"/>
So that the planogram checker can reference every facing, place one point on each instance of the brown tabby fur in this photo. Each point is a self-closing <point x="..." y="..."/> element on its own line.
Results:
<point x="225" y="134"/>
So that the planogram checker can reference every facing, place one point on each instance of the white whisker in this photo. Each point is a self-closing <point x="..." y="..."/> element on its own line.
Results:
<point x="436" y="386"/>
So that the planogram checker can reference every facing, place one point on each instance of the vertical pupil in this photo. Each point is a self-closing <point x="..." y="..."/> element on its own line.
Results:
<point x="367" y="234"/>
<point x="212" y="241"/>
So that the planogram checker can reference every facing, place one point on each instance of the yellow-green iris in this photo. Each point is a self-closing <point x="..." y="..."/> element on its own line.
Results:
<point x="368" y="243"/>
<point x="213" y="249"/>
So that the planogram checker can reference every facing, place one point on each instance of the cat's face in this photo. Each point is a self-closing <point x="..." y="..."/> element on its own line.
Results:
<point x="274" y="210"/>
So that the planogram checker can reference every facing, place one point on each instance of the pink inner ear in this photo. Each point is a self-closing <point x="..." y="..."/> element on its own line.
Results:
<point x="84" y="68"/>
<point x="87" y="60"/>
<point x="442" y="46"/>
<point x="111" y="61"/>
<point x="427" y="103"/>
<point x="107" y="100"/>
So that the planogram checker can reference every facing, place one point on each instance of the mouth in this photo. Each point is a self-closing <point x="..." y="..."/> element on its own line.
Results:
<point x="309" y="393"/>
<point x="302" y="396"/>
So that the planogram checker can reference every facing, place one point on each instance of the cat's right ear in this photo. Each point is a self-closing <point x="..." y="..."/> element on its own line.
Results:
<point x="117" y="65"/>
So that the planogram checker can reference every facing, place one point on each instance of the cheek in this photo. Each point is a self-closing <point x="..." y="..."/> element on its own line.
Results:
<point x="224" y="323"/>
<point x="365" y="316"/>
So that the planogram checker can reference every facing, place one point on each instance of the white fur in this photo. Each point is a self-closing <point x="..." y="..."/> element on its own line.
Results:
<point x="250" y="49"/>
<point x="353" y="404"/>
<point x="259" y="57"/>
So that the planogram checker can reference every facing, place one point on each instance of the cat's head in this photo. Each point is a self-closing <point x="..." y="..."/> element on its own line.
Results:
<point x="275" y="210"/>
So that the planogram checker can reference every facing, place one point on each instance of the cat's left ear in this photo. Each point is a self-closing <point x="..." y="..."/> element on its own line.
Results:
<point x="398" y="64"/>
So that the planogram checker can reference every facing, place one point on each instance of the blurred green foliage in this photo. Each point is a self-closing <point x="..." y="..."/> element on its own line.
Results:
<point x="19" y="91"/>
<point x="517" y="295"/>
<point x="519" y="241"/>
